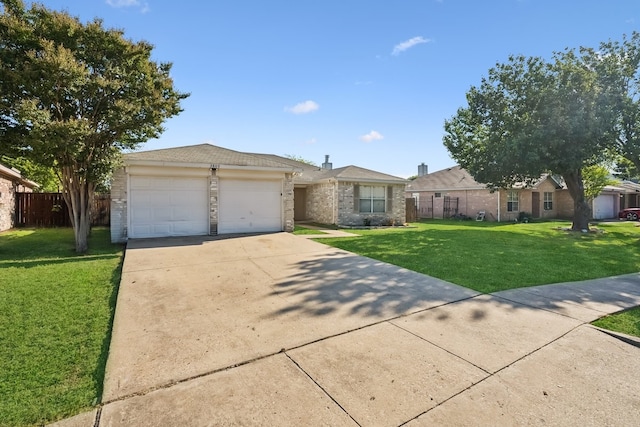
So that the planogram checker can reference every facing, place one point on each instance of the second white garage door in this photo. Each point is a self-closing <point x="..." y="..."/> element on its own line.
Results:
<point x="249" y="206"/>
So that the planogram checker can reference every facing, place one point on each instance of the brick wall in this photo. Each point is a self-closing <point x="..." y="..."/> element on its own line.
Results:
<point x="470" y="202"/>
<point x="348" y="214"/>
<point x="287" y="193"/>
<point x="119" y="206"/>
<point x="564" y="203"/>
<point x="7" y="204"/>
<point x="320" y="203"/>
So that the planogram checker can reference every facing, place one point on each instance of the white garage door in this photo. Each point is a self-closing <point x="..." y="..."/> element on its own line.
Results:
<point x="604" y="206"/>
<point x="249" y="206"/>
<point x="168" y="206"/>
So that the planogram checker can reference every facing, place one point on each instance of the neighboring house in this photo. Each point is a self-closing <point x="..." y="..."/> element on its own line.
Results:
<point x="452" y="191"/>
<point x="613" y="198"/>
<point x="204" y="189"/>
<point x="11" y="182"/>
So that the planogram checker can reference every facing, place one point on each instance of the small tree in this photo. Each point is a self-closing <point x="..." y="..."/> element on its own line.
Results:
<point x="596" y="178"/>
<point x="530" y="116"/>
<point x="74" y="95"/>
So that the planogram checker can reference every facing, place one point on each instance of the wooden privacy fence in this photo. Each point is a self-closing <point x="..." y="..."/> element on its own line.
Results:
<point x="411" y="210"/>
<point x="50" y="210"/>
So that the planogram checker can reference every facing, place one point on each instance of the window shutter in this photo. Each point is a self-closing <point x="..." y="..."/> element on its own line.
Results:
<point x="389" y="199"/>
<point x="356" y="198"/>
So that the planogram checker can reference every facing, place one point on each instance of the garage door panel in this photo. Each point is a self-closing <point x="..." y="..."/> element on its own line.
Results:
<point x="168" y="206"/>
<point x="604" y="206"/>
<point x="250" y="206"/>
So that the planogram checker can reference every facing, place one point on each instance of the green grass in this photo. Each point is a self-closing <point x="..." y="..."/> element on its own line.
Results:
<point x="56" y="311"/>
<point x="490" y="257"/>
<point x="627" y="322"/>
<point x="298" y="230"/>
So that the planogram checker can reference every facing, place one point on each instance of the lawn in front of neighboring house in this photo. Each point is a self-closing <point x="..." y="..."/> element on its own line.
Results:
<point x="490" y="257"/>
<point x="56" y="312"/>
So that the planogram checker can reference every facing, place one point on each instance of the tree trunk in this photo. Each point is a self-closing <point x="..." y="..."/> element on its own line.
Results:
<point x="78" y="195"/>
<point x="581" y="208"/>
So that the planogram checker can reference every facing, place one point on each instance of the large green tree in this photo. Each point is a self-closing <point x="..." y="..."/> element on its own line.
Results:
<point x="619" y="67"/>
<point x="73" y="95"/>
<point x="530" y="116"/>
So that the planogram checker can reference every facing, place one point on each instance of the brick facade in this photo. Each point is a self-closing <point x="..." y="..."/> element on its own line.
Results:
<point x="11" y="183"/>
<point x="321" y="203"/>
<point x="7" y="204"/>
<point x="119" y="206"/>
<point x="288" y="202"/>
<point x="334" y="203"/>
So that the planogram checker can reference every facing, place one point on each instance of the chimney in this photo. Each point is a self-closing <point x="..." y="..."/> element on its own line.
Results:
<point x="423" y="169"/>
<point x="326" y="165"/>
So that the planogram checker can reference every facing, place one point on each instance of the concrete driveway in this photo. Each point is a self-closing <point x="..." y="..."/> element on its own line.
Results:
<point x="280" y="330"/>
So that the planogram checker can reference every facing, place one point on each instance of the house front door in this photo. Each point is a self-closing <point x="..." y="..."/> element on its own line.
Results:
<point x="535" y="204"/>
<point x="299" y="204"/>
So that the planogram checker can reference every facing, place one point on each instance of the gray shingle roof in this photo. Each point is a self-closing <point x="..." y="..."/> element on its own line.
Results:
<point x="207" y="153"/>
<point x="214" y="155"/>
<point x="457" y="178"/>
<point x="453" y="178"/>
<point x="356" y="173"/>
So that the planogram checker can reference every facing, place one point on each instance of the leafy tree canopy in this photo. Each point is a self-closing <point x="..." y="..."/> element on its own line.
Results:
<point x="300" y="159"/>
<point x="530" y="116"/>
<point x="45" y="177"/>
<point x="626" y="170"/>
<point x="73" y="95"/>
<point x="596" y="178"/>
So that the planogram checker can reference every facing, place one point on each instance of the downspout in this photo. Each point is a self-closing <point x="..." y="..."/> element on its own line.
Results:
<point x="498" y="205"/>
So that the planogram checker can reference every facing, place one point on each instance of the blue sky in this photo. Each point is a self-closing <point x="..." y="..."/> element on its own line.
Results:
<point x="369" y="82"/>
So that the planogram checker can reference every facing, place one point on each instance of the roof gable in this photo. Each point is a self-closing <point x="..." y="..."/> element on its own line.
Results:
<point x="453" y="178"/>
<point x="356" y="173"/>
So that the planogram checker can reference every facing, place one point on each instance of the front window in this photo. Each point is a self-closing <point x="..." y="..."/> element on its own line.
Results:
<point x="548" y="201"/>
<point x="372" y="199"/>
<point x="512" y="201"/>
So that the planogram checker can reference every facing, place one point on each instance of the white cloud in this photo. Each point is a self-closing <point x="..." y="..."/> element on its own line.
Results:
<point x="311" y="141"/>
<point x="408" y="44"/>
<point x="144" y="7"/>
<point x="303" y="107"/>
<point x="371" y="136"/>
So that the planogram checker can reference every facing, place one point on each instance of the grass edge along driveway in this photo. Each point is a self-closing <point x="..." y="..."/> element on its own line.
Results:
<point x="56" y="313"/>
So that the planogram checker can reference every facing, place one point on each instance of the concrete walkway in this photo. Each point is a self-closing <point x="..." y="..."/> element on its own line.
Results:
<point x="280" y="330"/>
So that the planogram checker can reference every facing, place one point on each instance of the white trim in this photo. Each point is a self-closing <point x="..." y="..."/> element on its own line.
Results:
<point x="250" y="174"/>
<point x="157" y="163"/>
<point x="155" y="170"/>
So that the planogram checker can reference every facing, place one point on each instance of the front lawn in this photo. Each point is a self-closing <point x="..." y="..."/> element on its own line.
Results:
<point x="490" y="257"/>
<point x="56" y="310"/>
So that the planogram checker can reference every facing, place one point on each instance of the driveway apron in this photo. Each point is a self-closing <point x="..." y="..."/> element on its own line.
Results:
<point x="279" y="330"/>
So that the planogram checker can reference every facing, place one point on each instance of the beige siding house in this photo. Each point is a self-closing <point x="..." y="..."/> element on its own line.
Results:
<point x="207" y="190"/>
<point x="11" y="182"/>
